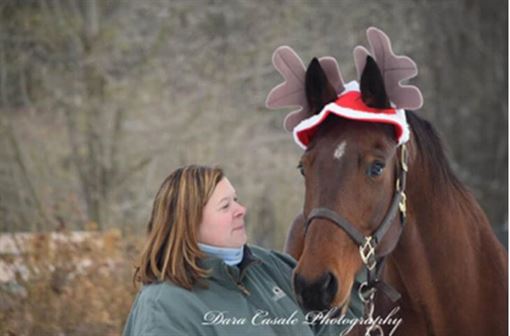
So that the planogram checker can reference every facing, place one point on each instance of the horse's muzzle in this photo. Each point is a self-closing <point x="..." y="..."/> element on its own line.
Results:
<point x="317" y="295"/>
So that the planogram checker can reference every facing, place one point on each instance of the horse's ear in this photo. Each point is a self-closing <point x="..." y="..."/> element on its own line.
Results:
<point x="372" y="88"/>
<point x="319" y="90"/>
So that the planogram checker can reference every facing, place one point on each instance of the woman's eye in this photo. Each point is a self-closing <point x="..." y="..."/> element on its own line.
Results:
<point x="225" y="206"/>
<point x="301" y="169"/>
<point x="376" y="169"/>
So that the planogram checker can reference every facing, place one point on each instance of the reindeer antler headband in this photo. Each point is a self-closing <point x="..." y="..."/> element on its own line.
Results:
<point x="348" y="104"/>
<point x="393" y="68"/>
<point x="292" y="91"/>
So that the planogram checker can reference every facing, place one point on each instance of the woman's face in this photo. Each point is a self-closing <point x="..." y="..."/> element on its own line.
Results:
<point x="223" y="218"/>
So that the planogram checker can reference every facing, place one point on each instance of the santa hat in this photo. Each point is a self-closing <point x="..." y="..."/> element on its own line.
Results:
<point x="350" y="105"/>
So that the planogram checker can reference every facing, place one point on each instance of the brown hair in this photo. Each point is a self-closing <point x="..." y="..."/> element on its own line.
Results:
<point x="171" y="251"/>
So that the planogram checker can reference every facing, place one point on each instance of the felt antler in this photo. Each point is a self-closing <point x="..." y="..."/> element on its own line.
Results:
<point x="394" y="69"/>
<point x="292" y="91"/>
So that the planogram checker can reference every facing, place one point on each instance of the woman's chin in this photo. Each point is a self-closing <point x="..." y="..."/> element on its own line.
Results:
<point x="240" y="235"/>
<point x="243" y="239"/>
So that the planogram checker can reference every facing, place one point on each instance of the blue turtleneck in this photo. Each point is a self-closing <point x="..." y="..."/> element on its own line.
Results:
<point x="231" y="256"/>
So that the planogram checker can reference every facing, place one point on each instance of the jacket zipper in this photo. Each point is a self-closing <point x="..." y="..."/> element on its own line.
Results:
<point x="243" y="289"/>
<point x="239" y="284"/>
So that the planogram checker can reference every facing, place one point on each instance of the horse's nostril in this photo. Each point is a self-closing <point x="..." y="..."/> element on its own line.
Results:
<point x="330" y="278"/>
<point x="329" y="288"/>
<point x="316" y="295"/>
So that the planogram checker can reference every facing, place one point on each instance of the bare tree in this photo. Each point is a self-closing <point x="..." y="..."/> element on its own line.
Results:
<point x="106" y="98"/>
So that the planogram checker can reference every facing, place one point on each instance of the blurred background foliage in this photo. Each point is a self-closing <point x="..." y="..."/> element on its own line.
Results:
<point x="101" y="100"/>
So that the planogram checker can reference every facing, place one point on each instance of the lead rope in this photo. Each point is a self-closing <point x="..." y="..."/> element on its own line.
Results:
<point x="368" y="290"/>
<point x="368" y="299"/>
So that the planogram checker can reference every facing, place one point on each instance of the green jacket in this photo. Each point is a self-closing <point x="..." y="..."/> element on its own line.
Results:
<point x="255" y="298"/>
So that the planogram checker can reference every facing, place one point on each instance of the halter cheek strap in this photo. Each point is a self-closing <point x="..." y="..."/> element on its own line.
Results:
<point x="372" y="259"/>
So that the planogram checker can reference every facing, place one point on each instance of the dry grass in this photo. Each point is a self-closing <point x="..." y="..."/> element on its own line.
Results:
<point x="73" y="288"/>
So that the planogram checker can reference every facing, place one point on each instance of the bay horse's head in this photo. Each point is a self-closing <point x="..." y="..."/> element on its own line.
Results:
<point x="351" y="165"/>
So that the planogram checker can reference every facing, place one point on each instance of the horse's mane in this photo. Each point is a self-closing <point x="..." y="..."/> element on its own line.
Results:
<point x="444" y="185"/>
<point x="433" y="155"/>
<point x="448" y="193"/>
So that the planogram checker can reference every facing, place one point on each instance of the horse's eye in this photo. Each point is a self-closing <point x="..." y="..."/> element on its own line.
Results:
<point x="301" y="169"/>
<point x="376" y="169"/>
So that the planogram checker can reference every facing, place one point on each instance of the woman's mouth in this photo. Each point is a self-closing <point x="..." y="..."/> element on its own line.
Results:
<point x="240" y="227"/>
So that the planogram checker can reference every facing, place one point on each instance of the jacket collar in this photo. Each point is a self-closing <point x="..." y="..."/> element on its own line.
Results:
<point x="221" y="271"/>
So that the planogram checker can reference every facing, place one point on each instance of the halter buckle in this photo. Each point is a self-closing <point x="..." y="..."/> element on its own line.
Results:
<point x="367" y="252"/>
<point x="403" y="157"/>
<point x="402" y="205"/>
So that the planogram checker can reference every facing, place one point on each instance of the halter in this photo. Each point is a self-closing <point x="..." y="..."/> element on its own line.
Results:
<point x="373" y="260"/>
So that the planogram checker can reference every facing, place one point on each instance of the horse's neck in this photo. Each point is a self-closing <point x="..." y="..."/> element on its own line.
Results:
<point x="447" y="258"/>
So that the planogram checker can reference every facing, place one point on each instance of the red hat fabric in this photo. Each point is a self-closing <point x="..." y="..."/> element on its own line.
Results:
<point x="350" y="105"/>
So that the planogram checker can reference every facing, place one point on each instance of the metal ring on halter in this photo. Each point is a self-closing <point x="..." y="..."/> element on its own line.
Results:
<point x="368" y="295"/>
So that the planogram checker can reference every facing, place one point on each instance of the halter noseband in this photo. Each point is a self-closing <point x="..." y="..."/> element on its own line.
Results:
<point x="373" y="260"/>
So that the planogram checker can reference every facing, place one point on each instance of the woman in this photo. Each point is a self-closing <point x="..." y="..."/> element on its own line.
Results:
<point x="200" y="277"/>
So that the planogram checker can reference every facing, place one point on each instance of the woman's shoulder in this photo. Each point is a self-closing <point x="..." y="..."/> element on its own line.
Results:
<point x="163" y="309"/>
<point x="161" y="292"/>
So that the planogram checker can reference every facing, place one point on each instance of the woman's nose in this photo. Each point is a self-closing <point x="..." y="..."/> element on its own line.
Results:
<point x="241" y="210"/>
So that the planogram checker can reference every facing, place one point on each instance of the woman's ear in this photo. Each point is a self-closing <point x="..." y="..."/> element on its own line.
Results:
<point x="319" y="91"/>
<point x="372" y="88"/>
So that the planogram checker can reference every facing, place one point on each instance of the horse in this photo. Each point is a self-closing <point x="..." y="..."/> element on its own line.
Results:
<point x="446" y="263"/>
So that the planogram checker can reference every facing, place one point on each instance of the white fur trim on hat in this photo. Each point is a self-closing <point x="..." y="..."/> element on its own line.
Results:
<point x="397" y="118"/>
